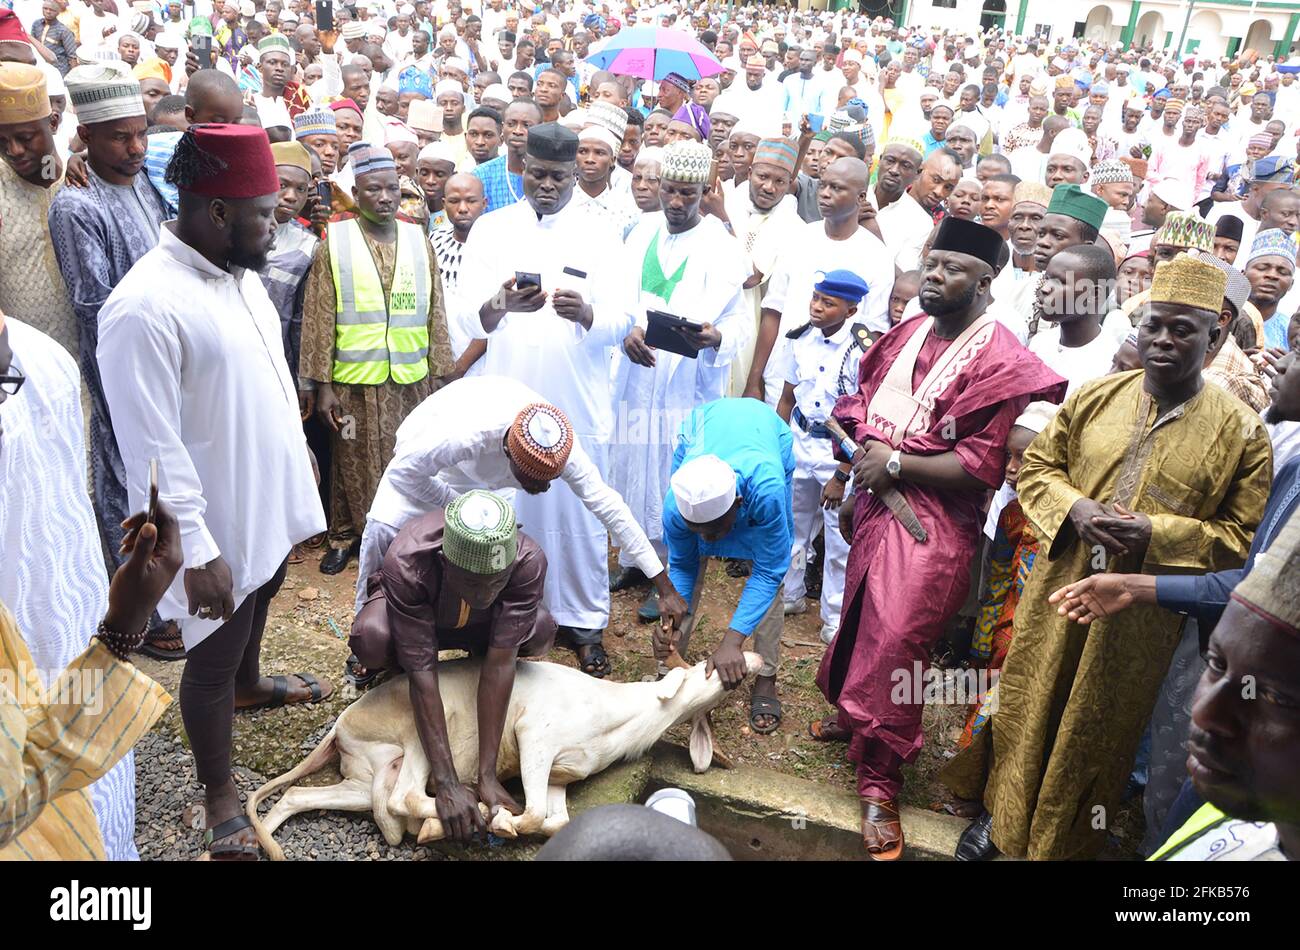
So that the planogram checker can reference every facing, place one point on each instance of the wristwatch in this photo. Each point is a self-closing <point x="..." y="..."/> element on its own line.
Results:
<point x="841" y="476"/>
<point x="895" y="464"/>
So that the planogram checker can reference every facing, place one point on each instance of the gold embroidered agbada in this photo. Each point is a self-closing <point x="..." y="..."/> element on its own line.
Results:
<point x="54" y="743"/>
<point x="1073" y="700"/>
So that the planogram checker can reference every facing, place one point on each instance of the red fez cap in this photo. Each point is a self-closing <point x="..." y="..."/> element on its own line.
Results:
<point x="245" y="153"/>
<point x="338" y="104"/>
<point x="11" y="28"/>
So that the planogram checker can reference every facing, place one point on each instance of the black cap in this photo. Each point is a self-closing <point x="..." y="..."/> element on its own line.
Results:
<point x="967" y="237"/>
<point x="552" y="142"/>
<point x="1229" y="226"/>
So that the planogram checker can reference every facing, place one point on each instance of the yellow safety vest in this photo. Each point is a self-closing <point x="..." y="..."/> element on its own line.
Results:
<point x="377" y="339"/>
<point x="1203" y="819"/>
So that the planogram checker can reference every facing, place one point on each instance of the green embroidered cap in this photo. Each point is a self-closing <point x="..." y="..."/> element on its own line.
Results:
<point x="480" y="535"/>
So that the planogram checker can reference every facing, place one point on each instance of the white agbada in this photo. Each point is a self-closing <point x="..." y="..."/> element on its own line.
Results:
<point x="454" y="441"/>
<point x="1078" y="364"/>
<point x="650" y="404"/>
<point x="904" y="225"/>
<point x="195" y="376"/>
<point x="53" y="577"/>
<point x="567" y="365"/>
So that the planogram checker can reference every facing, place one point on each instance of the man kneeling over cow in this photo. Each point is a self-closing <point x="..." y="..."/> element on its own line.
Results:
<point x="465" y="579"/>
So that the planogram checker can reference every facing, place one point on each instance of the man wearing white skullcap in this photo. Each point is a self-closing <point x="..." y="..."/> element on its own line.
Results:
<point x="1069" y="160"/>
<point x="99" y="232"/>
<point x="729" y="496"/>
<point x="598" y="149"/>
<point x="449" y="96"/>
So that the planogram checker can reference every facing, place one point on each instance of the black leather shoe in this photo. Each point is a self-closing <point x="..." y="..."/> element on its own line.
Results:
<point x="337" y="558"/>
<point x="976" y="842"/>
<point x="648" y="612"/>
<point x="625" y="578"/>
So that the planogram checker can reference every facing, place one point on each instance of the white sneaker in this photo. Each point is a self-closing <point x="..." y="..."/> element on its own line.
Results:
<point x="828" y="633"/>
<point x="799" y="606"/>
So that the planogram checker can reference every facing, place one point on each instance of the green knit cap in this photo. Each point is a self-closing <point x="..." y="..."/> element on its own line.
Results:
<point x="480" y="535"/>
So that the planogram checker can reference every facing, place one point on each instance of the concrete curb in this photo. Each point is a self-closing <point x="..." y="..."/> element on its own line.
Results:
<point x="768" y="815"/>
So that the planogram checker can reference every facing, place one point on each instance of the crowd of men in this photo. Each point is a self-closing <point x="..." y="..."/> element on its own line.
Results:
<point x="875" y="315"/>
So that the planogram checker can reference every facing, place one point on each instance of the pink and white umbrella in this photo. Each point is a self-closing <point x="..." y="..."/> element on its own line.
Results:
<point x="650" y="52"/>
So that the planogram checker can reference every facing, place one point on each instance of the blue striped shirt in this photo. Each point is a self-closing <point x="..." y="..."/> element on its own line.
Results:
<point x="501" y="187"/>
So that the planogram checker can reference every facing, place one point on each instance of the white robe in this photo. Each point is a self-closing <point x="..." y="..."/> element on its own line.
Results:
<point x="53" y="576"/>
<point x="567" y="365"/>
<point x="195" y="376"/>
<point x="650" y="404"/>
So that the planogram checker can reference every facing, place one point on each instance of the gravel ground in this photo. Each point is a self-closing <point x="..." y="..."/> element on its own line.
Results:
<point x="304" y="633"/>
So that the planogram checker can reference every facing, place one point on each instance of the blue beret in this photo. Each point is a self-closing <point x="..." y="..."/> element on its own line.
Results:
<point x="1162" y="94"/>
<point x="843" y="284"/>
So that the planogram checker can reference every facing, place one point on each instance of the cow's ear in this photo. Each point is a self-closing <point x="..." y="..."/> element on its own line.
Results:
<point x="701" y="742"/>
<point x="671" y="684"/>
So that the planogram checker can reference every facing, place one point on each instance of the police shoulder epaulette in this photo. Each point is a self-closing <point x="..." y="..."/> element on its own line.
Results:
<point x="798" y="331"/>
<point x="861" y="335"/>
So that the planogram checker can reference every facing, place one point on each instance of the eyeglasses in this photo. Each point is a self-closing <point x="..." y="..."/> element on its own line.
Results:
<point x="11" y="384"/>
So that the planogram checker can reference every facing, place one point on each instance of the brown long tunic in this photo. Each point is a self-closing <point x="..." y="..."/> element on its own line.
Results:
<point x="364" y="445"/>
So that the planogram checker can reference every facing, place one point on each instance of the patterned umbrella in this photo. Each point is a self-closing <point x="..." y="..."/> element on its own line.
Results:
<point x="649" y="52"/>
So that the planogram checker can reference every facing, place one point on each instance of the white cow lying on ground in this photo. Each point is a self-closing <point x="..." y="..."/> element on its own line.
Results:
<point x="562" y="726"/>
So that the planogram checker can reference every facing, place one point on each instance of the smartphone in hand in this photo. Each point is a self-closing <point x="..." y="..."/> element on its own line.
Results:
<point x="325" y="16"/>
<point x="153" y="492"/>
<point x="202" y="45"/>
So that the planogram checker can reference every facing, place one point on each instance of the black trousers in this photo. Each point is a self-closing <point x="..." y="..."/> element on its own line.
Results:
<point x="225" y="660"/>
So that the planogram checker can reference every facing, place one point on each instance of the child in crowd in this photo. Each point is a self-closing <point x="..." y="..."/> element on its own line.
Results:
<point x="906" y="286"/>
<point x="820" y="365"/>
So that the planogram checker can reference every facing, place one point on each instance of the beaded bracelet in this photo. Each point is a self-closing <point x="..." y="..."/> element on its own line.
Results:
<point x="119" y="644"/>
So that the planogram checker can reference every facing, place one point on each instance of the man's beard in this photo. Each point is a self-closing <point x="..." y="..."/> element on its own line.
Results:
<point x="251" y="260"/>
<point x="1272" y="416"/>
<point x="944" y="306"/>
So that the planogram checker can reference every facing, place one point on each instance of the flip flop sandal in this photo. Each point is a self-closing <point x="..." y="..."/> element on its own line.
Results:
<point x="764" y="706"/>
<point x="150" y="646"/>
<point x="828" y="730"/>
<point x="281" y="689"/>
<point x="295" y="554"/>
<point x="360" y="680"/>
<point x="230" y="852"/>
<point x="880" y="812"/>
<point x="596" y="664"/>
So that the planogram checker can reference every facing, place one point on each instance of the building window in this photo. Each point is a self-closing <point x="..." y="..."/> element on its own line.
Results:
<point x="944" y="4"/>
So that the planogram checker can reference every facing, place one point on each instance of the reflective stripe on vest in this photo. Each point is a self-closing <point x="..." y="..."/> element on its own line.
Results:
<point x="377" y="339"/>
<point x="1203" y="819"/>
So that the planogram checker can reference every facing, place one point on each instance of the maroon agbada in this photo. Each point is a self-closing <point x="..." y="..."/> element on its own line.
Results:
<point x="899" y="593"/>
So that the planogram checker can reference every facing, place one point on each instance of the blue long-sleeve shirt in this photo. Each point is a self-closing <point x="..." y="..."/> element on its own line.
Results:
<point x="1205" y="596"/>
<point x="750" y="437"/>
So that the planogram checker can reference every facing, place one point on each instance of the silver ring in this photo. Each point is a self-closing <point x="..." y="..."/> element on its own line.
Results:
<point x="205" y="611"/>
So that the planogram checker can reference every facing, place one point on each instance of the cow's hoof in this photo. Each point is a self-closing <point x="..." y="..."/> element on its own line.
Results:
<point x="551" y="825"/>
<point x="503" y="825"/>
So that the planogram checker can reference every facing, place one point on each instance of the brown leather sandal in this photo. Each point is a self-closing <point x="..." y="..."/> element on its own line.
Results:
<point x="879" y="814"/>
